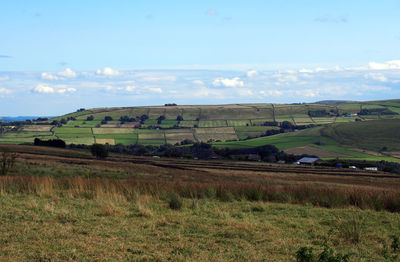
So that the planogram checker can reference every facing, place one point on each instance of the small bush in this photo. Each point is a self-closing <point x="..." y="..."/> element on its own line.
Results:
<point x="306" y="254"/>
<point x="99" y="151"/>
<point x="395" y="243"/>
<point x="175" y="202"/>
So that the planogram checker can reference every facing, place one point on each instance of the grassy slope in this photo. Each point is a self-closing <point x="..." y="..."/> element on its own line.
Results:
<point x="339" y="138"/>
<point x="39" y="228"/>
<point x="239" y="116"/>
<point x="44" y="222"/>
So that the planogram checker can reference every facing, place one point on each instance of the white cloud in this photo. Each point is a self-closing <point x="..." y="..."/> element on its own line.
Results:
<point x="68" y="73"/>
<point x="4" y="78"/>
<point x="376" y="76"/>
<point x="4" y="91"/>
<point x="198" y="82"/>
<point x="234" y="82"/>
<point x="304" y="70"/>
<point x="394" y="64"/>
<point x="251" y="73"/>
<point x="49" y="76"/>
<point x="284" y="79"/>
<point x="274" y="92"/>
<point x="66" y="90"/>
<point x="108" y="71"/>
<point x="130" y="88"/>
<point x="208" y="92"/>
<point x="43" y="88"/>
<point x="308" y="93"/>
<point x="47" y="89"/>
<point x="155" y="89"/>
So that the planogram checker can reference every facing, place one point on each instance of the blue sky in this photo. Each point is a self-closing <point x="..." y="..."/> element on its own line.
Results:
<point x="56" y="56"/>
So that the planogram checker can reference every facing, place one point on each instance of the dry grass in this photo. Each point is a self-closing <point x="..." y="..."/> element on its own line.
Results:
<point x="145" y="229"/>
<point x="37" y="128"/>
<point x="109" y="141"/>
<point x="310" y="150"/>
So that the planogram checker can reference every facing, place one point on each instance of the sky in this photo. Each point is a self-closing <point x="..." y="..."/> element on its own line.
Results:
<point x="58" y="56"/>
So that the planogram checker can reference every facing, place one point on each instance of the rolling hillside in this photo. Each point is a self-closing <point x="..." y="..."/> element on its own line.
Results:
<point x="362" y="130"/>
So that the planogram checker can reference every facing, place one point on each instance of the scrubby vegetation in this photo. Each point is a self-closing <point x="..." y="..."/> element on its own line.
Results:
<point x="124" y="209"/>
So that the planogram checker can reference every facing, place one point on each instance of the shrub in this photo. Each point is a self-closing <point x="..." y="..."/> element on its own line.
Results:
<point x="175" y="202"/>
<point x="99" y="151"/>
<point x="306" y="254"/>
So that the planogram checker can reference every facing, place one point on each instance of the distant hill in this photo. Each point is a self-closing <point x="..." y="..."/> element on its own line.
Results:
<point x="334" y="102"/>
<point x="20" y="118"/>
<point x="328" y="128"/>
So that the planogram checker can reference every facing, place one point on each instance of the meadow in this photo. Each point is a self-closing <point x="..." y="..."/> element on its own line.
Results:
<point x="61" y="205"/>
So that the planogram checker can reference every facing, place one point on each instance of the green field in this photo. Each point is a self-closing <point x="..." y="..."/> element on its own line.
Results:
<point x="212" y="123"/>
<point x="82" y="123"/>
<point x="244" y="122"/>
<point x="72" y="131"/>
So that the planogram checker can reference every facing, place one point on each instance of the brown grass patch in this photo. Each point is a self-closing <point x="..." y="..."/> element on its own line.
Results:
<point x="104" y="141"/>
<point x="38" y="128"/>
<point x="310" y="150"/>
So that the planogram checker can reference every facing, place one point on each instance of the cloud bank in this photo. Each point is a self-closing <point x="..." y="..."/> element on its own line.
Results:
<point x="111" y="87"/>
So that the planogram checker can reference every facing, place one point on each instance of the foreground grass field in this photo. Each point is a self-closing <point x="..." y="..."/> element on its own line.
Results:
<point x="46" y="227"/>
<point x="63" y="205"/>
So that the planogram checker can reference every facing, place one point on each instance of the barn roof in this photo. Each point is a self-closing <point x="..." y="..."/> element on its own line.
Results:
<point x="308" y="160"/>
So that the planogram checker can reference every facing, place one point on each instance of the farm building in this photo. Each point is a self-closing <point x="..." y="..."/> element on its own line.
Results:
<point x="371" y="168"/>
<point x="308" y="160"/>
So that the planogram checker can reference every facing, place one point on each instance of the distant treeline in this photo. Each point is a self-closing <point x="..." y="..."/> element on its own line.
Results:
<point x="267" y="153"/>
<point x="51" y="142"/>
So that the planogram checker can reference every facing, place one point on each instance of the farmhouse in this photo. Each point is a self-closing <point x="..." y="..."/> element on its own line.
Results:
<point x="308" y="160"/>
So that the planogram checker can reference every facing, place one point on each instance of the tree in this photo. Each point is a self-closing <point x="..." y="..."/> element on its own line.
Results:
<point x="179" y="118"/>
<point x="160" y="119"/>
<point x="90" y="118"/>
<point x="108" y="118"/>
<point x="144" y="118"/>
<point x="287" y="125"/>
<point x="99" y="151"/>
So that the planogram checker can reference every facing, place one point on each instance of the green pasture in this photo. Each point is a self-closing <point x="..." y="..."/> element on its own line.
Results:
<point x="72" y="131"/>
<point x="239" y="123"/>
<point x="82" y="123"/>
<point x="212" y="123"/>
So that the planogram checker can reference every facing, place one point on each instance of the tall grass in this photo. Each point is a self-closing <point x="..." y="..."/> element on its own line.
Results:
<point x="128" y="190"/>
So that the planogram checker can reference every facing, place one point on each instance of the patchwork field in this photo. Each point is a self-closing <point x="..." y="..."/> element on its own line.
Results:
<point x="37" y="128"/>
<point x="343" y="128"/>
<point x="109" y="141"/>
<point x="99" y="131"/>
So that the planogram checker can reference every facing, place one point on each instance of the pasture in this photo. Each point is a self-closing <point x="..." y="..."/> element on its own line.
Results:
<point x="137" y="208"/>
<point x="230" y="123"/>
